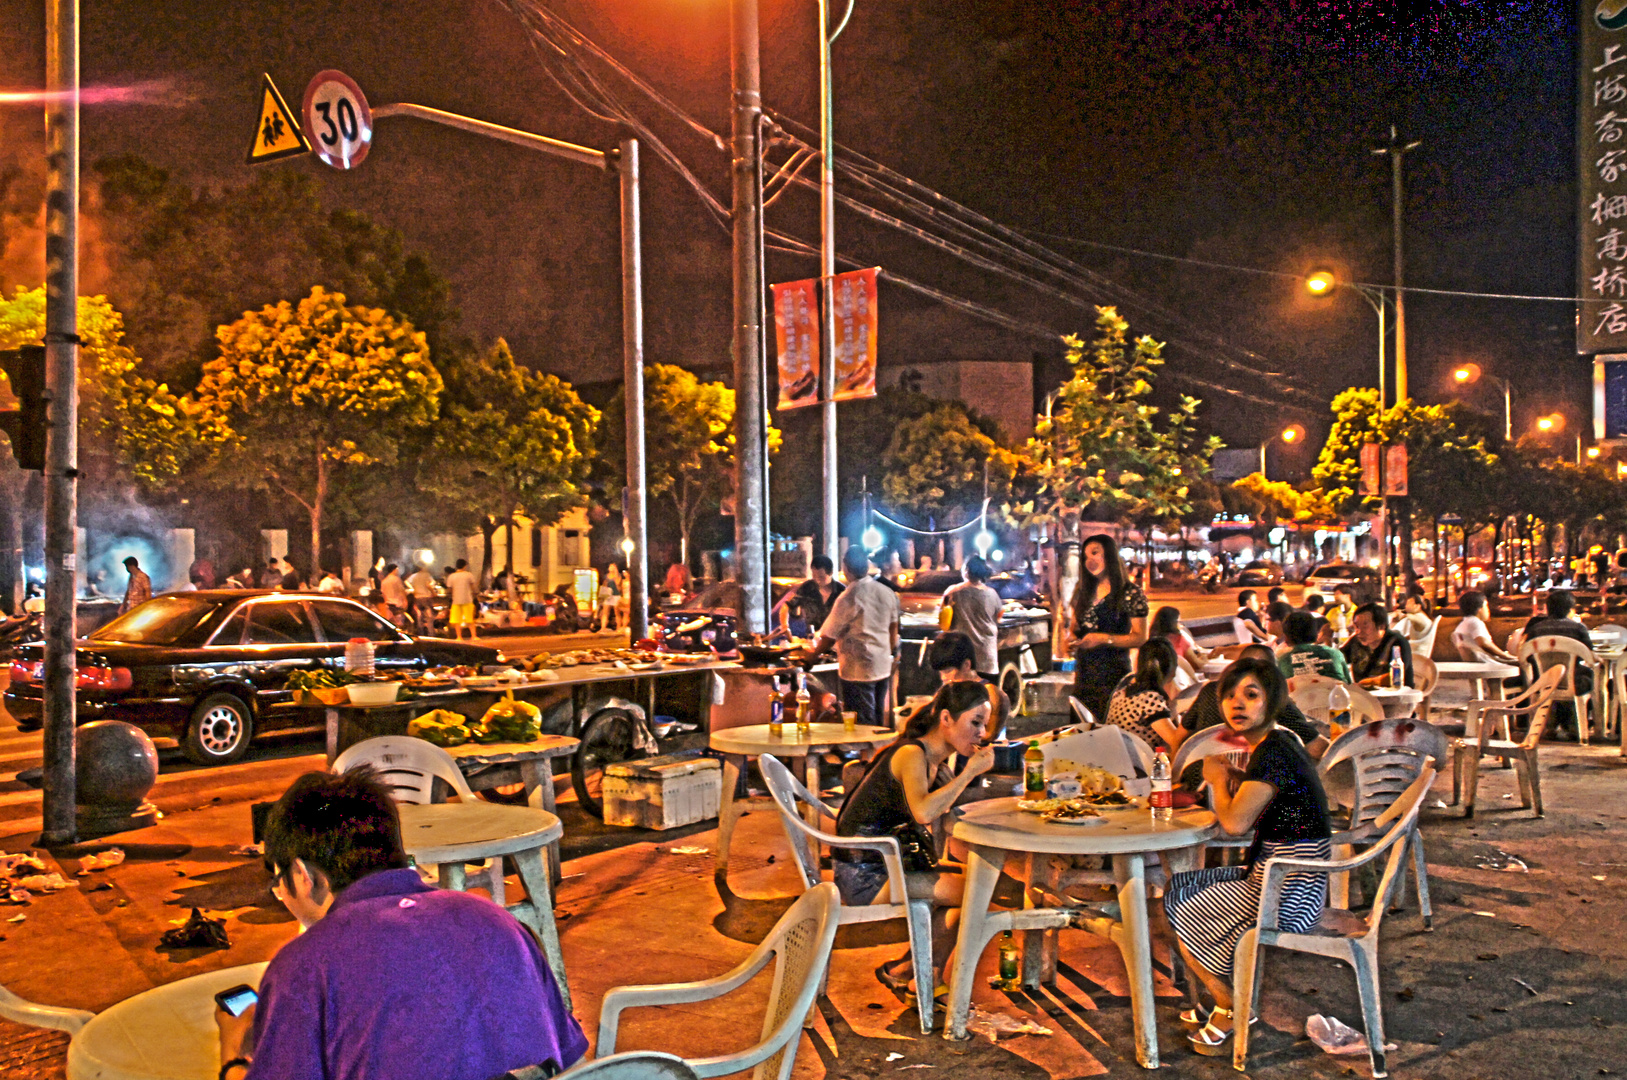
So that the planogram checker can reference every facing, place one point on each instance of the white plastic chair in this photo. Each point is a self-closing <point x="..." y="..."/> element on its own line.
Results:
<point x="1616" y="633"/>
<point x="409" y="767"/>
<point x="1183" y="700"/>
<point x="788" y="792"/>
<point x="21" y="1011"/>
<point x="1547" y="651"/>
<point x="800" y="944"/>
<point x="1341" y="935"/>
<point x="1425" y="677"/>
<point x="1080" y="713"/>
<point x="1210" y="742"/>
<point x="633" y="1065"/>
<point x="1310" y="693"/>
<point x="1536" y="703"/>
<point x="1425" y="646"/>
<point x="1384" y="759"/>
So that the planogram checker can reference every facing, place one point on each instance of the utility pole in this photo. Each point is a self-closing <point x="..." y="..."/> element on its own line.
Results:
<point x="1396" y="148"/>
<point x="750" y="509"/>
<point x="632" y="337"/>
<point x="62" y="392"/>
<point x="827" y="275"/>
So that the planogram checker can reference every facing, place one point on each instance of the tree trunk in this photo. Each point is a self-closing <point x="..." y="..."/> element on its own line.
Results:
<point x="488" y="529"/>
<point x="313" y="571"/>
<point x="1409" y="576"/>
<point x="1435" y="598"/>
<point x="1463" y="562"/>
<point x="508" y="533"/>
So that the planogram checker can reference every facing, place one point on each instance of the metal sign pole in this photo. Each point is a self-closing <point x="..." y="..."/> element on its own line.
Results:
<point x="632" y="336"/>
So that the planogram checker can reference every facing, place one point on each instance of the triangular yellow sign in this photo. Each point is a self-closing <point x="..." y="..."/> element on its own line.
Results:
<point x="277" y="133"/>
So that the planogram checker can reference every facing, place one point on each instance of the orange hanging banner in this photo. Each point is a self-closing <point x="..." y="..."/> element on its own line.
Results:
<point x="854" y="296"/>
<point x="796" y="330"/>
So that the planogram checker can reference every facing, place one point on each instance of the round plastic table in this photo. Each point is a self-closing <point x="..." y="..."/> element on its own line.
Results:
<point x="739" y="743"/>
<point x="1398" y="702"/>
<point x="994" y="829"/>
<point x="166" y="1033"/>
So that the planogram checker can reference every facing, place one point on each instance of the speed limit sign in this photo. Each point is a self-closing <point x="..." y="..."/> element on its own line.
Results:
<point x="337" y="119"/>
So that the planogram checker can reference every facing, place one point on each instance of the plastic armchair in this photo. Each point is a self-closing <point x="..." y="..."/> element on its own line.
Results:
<point x="1342" y="935"/>
<point x="21" y="1011"/>
<point x="1615" y="632"/>
<point x="1384" y="758"/>
<point x="790" y="795"/>
<point x="1425" y="677"/>
<point x="633" y="1065"/>
<point x="800" y="943"/>
<point x="1546" y="652"/>
<point x="1080" y="713"/>
<point x="1310" y="693"/>
<point x="1424" y="647"/>
<point x="1183" y="700"/>
<point x="409" y="767"/>
<point x="1213" y="741"/>
<point x="1536" y="703"/>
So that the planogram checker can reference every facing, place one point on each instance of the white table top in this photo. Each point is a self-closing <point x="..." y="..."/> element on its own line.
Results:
<point x="1395" y="693"/>
<point x="1468" y="669"/>
<point x="546" y="746"/>
<point x="1214" y="667"/>
<point x="755" y="739"/>
<point x="166" y="1033"/>
<point x="467" y="832"/>
<point x="997" y="823"/>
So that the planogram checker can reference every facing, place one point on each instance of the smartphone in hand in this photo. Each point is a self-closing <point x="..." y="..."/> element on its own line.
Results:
<point x="237" y="999"/>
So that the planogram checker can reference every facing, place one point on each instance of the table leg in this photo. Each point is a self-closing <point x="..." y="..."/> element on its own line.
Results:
<point x="1039" y="946"/>
<point x="538" y="777"/>
<point x="537" y="912"/>
<point x="727" y="813"/>
<point x="330" y="718"/>
<point x="983" y="866"/>
<point x="1130" y="870"/>
<point x="810" y="779"/>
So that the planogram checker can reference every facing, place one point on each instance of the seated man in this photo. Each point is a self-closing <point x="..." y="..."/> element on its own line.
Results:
<point x="1559" y="623"/>
<point x="1275" y="615"/>
<point x="1472" y="638"/>
<point x="1247" y="623"/>
<point x="954" y="657"/>
<point x="392" y="979"/>
<point x="1369" y="649"/>
<point x="1304" y="655"/>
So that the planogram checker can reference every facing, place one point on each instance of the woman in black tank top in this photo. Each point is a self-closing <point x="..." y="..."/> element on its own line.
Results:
<point x="907" y="782"/>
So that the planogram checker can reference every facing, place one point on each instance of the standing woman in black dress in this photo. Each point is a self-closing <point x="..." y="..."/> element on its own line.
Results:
<point x="1109" y="619"/>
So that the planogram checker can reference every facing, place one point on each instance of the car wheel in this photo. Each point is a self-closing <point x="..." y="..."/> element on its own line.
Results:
<point x="609" y="739"/>
<point x="219" y="731"/>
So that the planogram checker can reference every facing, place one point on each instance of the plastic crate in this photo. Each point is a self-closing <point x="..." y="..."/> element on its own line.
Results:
<point x="662" y="792"/>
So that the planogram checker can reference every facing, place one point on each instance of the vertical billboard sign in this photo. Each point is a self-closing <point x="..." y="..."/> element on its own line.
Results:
<point x="796" y="331"/>
<point x="1370" y="483"/>
<point x="854" y="297"/>
<point x="1601" y="144"/>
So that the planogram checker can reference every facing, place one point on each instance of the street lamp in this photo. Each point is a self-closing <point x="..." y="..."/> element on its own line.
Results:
<point x="1464" y="374"/>
<point x="1292" y="435"/>
<point x="1323" y="282"/>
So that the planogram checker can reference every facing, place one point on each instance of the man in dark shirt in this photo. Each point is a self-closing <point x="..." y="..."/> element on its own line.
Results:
<point x="392" y="979"/>
<point x="1368" y="650"/>
<point x="1558" y="623"/>
<point x="811" y="603"/>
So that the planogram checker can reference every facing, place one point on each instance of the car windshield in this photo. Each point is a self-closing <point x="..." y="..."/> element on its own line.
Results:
<point x="163" y="620"/>
<point x="1335" y="571"/>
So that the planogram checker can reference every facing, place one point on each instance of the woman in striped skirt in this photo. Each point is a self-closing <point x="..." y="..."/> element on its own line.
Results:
<point x="1279" y="797"/>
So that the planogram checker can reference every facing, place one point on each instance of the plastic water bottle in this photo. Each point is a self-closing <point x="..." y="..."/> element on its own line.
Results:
<point x="1398" y="670"/>
<point x="776" y="711"/>
<point x="1162" y="799"/>
<point x="359" y="656"/>
<point x="804" y="705"/>
<point x="1034" y="771"/>
<point x="1338" y="710"/>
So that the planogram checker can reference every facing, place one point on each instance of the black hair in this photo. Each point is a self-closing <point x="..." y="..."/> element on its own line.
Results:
<point x="1300" y="628"/>
<point x="1258" y="652"/>
<point x="1263" y="672"/>
<point x="1471" y="602"/>
<point x="343" y="825"/>
<point x="392" y="567"/>
<point x="1315" y="603"/>
<point x="1166" y="622"/>
<point x="1278" y="611"/>
<point x="1560" y="604"/>
<point x="1155" y="666"/>
<point x="822" y="562"/>
<point x="463" y="564"/>
<point x="1276" y="594"/>
<point x="1376" y="612"/>
<point x="976" y="569"/>
<point x="1084" y="594"/>
<point x="856" y="561"/>
<point x="131" y="560"/>
<point x="949" y="650"/>
<point x="1245" y="596"/>
<point x="953" y="698"/>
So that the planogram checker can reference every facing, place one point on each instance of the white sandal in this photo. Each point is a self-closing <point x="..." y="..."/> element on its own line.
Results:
<point x="1209" y="1040"/>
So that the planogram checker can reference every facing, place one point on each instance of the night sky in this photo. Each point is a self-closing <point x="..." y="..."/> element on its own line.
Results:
<point x="1209" y="131"/>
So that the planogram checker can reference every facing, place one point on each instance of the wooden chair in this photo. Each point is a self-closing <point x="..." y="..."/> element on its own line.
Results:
<point x="1342" y="934"/>
<point x="790" y="795"/>
<point x="409" y="767"/>
<point x="799" y="944"/>
<point x="1537" y="704"/>
<point x="1381" y="760"/>
<point x="1564" y="654"/>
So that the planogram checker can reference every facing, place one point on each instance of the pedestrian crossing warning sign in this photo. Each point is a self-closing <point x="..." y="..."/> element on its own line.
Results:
<point x="276" y="134"/>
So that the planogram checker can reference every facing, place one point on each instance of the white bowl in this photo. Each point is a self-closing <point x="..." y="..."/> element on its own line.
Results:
<point x="376" y="693"/>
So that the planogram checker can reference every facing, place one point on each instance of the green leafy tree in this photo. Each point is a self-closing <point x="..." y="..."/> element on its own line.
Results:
<point x="1105" y="449"/>
<point x="689" y="436"/>
<point x="509" y="441"/>
<point x="934" y="466"/>
<point x="307" y="393"/>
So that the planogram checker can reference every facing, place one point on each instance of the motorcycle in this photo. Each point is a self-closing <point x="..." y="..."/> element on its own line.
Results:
<point x="1209" y="579"/>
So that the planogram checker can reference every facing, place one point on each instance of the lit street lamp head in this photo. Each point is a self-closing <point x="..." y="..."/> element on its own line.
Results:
<point x="1466" y="373"/>
<point x="1292" y="434"/>
<point x="1320" y="283"/>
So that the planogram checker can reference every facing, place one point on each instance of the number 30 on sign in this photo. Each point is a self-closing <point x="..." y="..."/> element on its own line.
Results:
<point x="337" y="119"/>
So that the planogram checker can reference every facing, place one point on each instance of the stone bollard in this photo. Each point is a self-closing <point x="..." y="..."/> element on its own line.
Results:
<point x="116" y="766"/>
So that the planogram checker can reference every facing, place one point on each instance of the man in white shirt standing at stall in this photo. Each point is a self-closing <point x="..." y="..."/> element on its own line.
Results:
<point x="973" y="608"/>
<point x="863" y="626"/>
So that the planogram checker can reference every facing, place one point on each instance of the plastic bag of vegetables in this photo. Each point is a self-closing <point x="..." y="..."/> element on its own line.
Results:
<point x="442" y="727"/>
<point x="509" y="721"/>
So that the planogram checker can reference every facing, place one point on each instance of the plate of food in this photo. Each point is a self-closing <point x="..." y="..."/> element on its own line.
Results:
<point x="1074" y="812"/>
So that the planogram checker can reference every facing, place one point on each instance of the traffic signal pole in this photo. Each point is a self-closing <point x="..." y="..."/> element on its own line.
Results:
<point x="62" y="390"/>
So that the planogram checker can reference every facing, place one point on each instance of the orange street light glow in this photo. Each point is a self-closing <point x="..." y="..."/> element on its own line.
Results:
<point x="1593" y="451"/>
<point x="1292" y="434"/>
<point x="1320" y="282"/>
<point x="1466" y="373"/>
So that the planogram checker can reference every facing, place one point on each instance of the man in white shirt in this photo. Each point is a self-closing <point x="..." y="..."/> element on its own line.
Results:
<point x="331" y="584"/>
<point x="1472" y="637"/>
<point x="460" y="591"/>
<point x="973" y="609"/>
<point x="422" y="584"/>
<point x="863" y="626"/>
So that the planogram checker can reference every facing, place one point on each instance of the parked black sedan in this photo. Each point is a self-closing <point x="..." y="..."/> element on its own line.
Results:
<point x="205" y="667"/>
